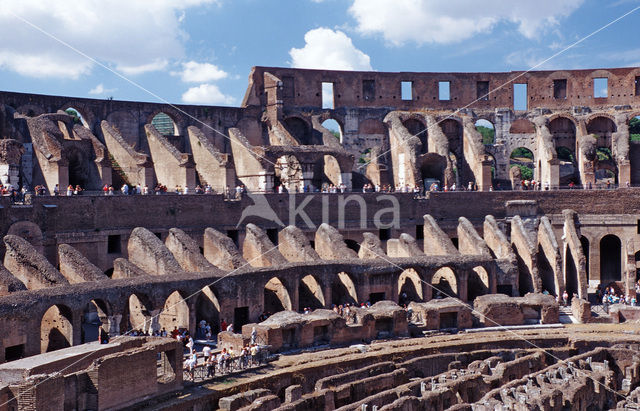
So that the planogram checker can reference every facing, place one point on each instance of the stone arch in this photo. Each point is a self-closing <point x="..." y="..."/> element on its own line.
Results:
<point x="95" y="315"/>
<point x="478" y="283"/>
<point x="56" y="328"/>
<point x="487" y="129"/>
<point x="522" y="126"/>
<point x="524" y="158"/>
<point x="610" y="259"/>
<point x="343" y="290"/>
<point x="276" y="296"/>
<point x="78" y="168"/>
<point x="445" y="283"/>
<point x="571" y="273"/>
<point x="452" y="128"/>
<point x="79" y="116"/>
<point x="603" y="126"/>
<point x="563" y="130"/>
<point x="432" y="168"/>
<point x="310" y="293"/>
<point x="546" y="273"/>
<point x="175" y="312"/>
<point x="417" y="128"/>
<point x="334" y="126"/>
<point x="165" y="124"/>
<point x="410" y="287"/>
<point x="299" y="129"/>
<point x="137" y="313"/>
<point x="208" y="309"/>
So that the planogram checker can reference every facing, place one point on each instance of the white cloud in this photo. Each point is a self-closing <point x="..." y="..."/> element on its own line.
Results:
<point x="193" y="72"/>
<point x="130" y="35"/>
<point x="99" y="90"/>
<point x="330" y="50"/>
<point x="449" y="21"/>
<point x="207" y="94"/>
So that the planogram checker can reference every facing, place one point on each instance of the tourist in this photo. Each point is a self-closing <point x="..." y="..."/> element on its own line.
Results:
<point x="56" y="190"/>
<point x="77" y="190"/>
<point x="254" y="354"/>
<point x="190" y="344"/>
<point x="254" y="335"/>
<point x="125" y="189"/>
<point x="191" y="364"/>
<point x="210" y="361"/>
<point x="69" y="190"/>
<point x="565" y="298"/>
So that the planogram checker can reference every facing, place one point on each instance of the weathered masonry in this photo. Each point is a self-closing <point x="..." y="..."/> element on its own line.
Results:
<point x="394" y="128"/>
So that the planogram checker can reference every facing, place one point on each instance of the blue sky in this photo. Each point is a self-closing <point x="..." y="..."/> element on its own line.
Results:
<point x="201" y="51"/>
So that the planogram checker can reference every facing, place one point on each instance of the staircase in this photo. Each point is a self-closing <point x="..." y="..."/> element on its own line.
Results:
<point x="565" y="315"/>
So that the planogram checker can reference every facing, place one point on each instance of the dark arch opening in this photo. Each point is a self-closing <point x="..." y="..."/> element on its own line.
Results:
<point x="276" y="297"/>
<point x="208" y="310"/>
<point x="546" y="272"/>
<point x="487" y="130"/>
<point x="409" y="287"/>
<point x="585" y="249"/>
<point x="571" y="280"/>
<point x="478" y="283"/>
<point x="56" y="328"/>
<point x="523" y="158"/>
<point x="164" y="124"/>
<point x="610" y="259"/>
<point x="299" y="129"/>
<point x="417" y="128"/>
<point x="309" y="294"/>
<point x="343" y="290"/>
<point x="352" y="244"/>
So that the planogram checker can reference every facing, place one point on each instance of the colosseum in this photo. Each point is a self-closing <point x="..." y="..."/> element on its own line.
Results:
<point x="387" y="241"/>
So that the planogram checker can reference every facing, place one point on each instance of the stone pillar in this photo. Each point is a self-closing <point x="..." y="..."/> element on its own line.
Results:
<point x="463" y="279"/>
<point x="345" y="178"/>
<point x="624" y="173"/>
<point x="484" y="179"/>
<point x="265" y="182"/>
<point x="553" y="173"/>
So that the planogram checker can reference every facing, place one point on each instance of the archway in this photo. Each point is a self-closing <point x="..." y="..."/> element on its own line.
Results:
<point x="610" y="259"/>
<point x="634" y="129"/>
<point x="571" y="274"/>
<point x="288" y="172"/>
<point x="309" y="294"/>
<point x="299" y="129"/>
<point x="94" y="316"/>
<point x="139" y="316"/>
<point x="605" y="166"/>
<point x="417" y="128"/>
<point x="334" y="127"/>
<point x="78" y="168"/>
<point x="56" y="328"/>
<point x="343" y="291"/>
<point x="445" y="283"/>
<point x="546" y="272"/>
<point x="523" y="158"/>
<point x="77" y="116"/>
<point x="175" y="313"/>
<point x="165" y="124"/>
<point x="409" y="287"/>
<point x="453" y="130"/>
<point x="432" y="168"/>
<point x="208" y="309"/>
<point x="487" y="130"/>
<point x="276" y="297"/>
<point x="477" y="283"/>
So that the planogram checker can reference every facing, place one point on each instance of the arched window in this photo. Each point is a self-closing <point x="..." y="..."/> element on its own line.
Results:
<point x="164" y="124"/>
<point x="487" y="130"/>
